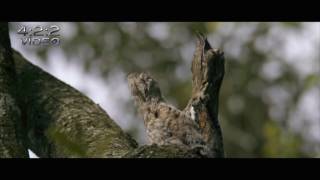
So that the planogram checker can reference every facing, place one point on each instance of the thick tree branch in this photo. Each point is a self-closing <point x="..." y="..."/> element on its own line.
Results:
<point x="61" y="121"/>
<point x="169" y="151"/>
<point x="10" y="133"/>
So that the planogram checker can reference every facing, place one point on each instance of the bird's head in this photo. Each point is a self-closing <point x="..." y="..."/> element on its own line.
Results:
<point x="144" y="87"/>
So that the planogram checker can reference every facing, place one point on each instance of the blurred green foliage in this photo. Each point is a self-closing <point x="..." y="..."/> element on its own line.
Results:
<point x="280" y="143"/>
<point x="165" y="50"/>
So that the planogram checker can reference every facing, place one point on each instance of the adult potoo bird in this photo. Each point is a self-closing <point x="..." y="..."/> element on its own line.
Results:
<point x="197" y="125"/>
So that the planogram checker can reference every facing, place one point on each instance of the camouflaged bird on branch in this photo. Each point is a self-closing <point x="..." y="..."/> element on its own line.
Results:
<point x="195" y="127"/>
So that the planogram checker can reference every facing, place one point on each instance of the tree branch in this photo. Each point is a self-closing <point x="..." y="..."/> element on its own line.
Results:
<point x="10" y="132"/>
<point x="61" y="121"/>
<point x="168" y="151"/>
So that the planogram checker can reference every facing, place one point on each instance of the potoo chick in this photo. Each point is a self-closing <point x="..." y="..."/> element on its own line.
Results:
<point x="165" y="124"/>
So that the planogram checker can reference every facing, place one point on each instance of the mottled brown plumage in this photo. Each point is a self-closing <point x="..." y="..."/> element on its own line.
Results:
<point x="197" y="125"/>
<point x="165" y="124"/>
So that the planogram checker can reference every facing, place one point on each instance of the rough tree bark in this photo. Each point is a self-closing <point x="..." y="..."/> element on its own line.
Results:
<point x="59" y="121"/>
<point x="10" y="144"/>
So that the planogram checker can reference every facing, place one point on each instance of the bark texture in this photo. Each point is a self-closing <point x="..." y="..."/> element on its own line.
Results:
<point x="61" y="121"/>
<point x="165" y="151"/>
<point x="10" y="133"/>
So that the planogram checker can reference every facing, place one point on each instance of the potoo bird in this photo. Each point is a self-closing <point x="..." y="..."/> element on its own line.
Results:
<point x="197" y="125"/>
<point x="165" y="124"/>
